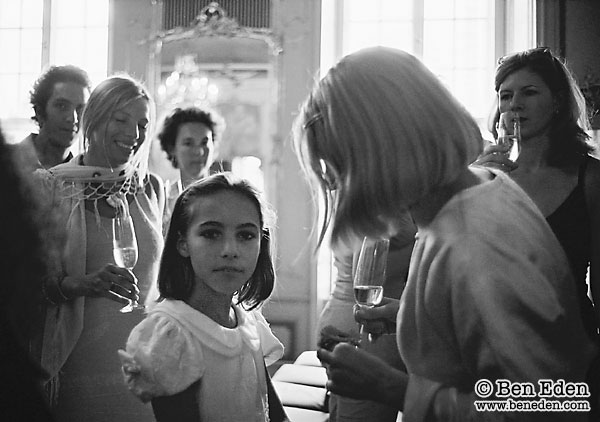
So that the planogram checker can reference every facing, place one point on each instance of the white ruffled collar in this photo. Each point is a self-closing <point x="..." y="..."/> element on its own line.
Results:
<point x="223" y="340"/>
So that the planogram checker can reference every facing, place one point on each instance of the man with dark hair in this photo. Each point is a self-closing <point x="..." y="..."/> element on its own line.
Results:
<point x="58" y="97"/>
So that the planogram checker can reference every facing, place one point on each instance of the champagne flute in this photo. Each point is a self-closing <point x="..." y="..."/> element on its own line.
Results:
<point x="509" y="133"/>
<point x="125" y="249"/>
<point x="369" y="274"/>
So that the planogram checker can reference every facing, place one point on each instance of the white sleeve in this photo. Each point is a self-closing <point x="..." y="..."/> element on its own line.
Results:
<point x="161" y="358"/>
<point x="271" y="346"/>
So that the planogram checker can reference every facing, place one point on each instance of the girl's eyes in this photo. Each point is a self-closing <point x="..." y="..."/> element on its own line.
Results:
<point x="210" y="234"/>
<point x="213" y="234"/>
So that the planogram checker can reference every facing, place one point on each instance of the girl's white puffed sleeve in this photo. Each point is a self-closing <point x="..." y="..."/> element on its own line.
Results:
<point x="161" y="358"/>
<point x="270" y="345"/>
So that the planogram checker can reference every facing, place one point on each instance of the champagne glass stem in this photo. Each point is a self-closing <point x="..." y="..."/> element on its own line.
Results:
<point x="369" y="276"/>
<point x="125" y="250"/>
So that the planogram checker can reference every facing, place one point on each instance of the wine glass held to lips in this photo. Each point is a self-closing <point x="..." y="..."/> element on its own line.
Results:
<point x="369" y="274"/>
<point x="509" y="133"/>
<point x="125" y="249"/>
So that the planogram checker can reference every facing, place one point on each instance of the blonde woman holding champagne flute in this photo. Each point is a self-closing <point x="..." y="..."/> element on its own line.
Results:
<point x="83" y="327"/>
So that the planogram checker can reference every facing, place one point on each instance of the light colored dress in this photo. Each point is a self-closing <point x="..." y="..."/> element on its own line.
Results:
<point x="176" y="346"/>
<point x="489" y="295"/>
<point x="82" y="336"/>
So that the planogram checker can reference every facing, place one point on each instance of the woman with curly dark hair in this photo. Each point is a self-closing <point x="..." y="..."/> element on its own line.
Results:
<point x="188" y="136"/>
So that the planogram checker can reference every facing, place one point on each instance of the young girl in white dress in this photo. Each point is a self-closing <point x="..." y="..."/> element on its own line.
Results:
<point x="200" y="353"/>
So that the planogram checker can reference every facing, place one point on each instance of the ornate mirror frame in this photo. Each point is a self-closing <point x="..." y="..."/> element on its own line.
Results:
<point x="216" y="63"/>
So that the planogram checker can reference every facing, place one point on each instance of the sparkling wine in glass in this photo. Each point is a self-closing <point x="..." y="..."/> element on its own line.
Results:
<point x="369" y="274"/>
<point x="125" y="250"/>
<point x="509" y="133"/>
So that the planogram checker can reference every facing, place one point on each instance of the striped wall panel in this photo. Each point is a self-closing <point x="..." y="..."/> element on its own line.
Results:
<point x="251" y="13"/>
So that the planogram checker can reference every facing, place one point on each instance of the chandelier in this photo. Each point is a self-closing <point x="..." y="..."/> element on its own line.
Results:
<point x="186" y="85"/>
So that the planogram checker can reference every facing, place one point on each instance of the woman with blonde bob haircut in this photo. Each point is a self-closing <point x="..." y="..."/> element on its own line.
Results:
<point x="380" y="136"/>
<point x="414" y="156"/>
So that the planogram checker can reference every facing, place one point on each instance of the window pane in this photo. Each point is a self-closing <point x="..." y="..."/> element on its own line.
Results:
<point x="396" y="9"/>
<point x="471" y="9"/>
<point x="359" y="35"/>
<point x="389" y="34"/>
<point x="397" y="35"/>
<point x="361" y="10"/>
<point x="67" y="46"/>
<point x="456" y="41"/>
<point x="33" y="13"/>
<point x="96" y="13"/>
<point x="470" y="42"/>
<point x="466" y="87"/>
<point x="31" y="50"/>
<point x="96" y="58"/>
<point x="10" y="46"/>
<point x="9" y="86"/>
<point x="520" y="33"/>
<point x="378" y="9"/>
<point x="438" y="43"/>
<point x="78" y="35"/>
<point x="439" y="9"/>
<point x="26" y="81"/>
<point x="10" y="14"/>
<point x="68" y="13"/>
<point x="328" y="34"/>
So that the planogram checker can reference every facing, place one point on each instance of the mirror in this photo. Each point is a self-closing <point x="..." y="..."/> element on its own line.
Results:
<point x="217" y="64"/>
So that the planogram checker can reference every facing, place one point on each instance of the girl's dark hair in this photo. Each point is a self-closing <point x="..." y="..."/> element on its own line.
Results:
<point x="176" y="275"/>
<point x="179" y="116"/>
<point x="568" y="139"/>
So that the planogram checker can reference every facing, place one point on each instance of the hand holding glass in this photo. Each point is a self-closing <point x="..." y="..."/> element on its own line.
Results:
<point x="509" y="133"/>
<point x="125" y="250"/>
<point x="369" y="274"/>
